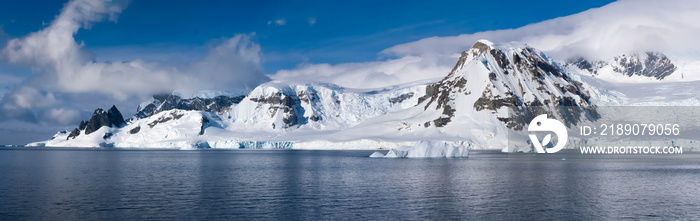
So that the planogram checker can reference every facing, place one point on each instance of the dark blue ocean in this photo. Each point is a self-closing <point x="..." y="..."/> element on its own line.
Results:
<point x="107" y="184"/>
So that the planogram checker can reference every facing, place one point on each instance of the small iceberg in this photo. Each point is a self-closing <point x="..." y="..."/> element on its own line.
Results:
<point x="426" y="149"/>
<point x="376" y="155"/>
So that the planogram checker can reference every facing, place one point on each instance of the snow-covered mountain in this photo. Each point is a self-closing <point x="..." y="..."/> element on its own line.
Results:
<point x="491" y="90"/>
<point x="522" y="79"/>
<point x="645" y="66"/>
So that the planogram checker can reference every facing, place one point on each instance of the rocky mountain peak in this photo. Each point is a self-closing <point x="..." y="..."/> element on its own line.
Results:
<point x="115" y="117"/>
<point x="481" y="46"/>
<point x="100" y="118"/>
<point x="488" y="77"/>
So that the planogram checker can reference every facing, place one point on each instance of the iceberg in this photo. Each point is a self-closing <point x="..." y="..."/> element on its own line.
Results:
<point x="376" y="155"/>
<point x="426" y="149"/>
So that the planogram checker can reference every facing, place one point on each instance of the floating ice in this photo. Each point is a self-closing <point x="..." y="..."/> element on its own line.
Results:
<point x="426" y="149"/>
<point x="376" y="155"/>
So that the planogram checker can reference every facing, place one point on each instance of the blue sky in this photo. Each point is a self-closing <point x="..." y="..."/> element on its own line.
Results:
<point x="344" y="31"/>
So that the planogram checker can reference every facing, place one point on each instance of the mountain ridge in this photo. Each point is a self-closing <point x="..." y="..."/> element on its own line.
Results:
<point x="469" y="107"/>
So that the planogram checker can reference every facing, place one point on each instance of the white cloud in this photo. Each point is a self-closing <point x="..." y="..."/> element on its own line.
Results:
<point x="620" y="27"/>
<point x="312" y="21"/>
<point x="62" y="116"/>
<point x="27" y="98"/>
<point x="233" y="65"/>
<point x="371" y="74"/>
<point x="279" y="22"/>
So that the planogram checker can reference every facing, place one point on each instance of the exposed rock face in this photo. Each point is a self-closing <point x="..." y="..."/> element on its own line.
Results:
<point x="440" y="94"/>
<point x="100" y="118"/>
<point x="649" y="64"/>
<point x="205" y="124"/>
<point x="73" y="133"/>
<point x="401" y="98"/>
<point x="583" y="64"/>
<point x="135" y="130"/>
<point x="286" y="104"/>
<point x="165" y="102"/>
<point x="174" y="115"/>
<point x="115" y="117"/>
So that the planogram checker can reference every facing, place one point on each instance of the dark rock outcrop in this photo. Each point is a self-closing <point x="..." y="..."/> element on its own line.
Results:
<point x="287" y="104"/>
<point x="583" y="64"/>
<point x="100" y="118"/>
<point x="174" y="115"/>
<point x="135" y="130"/>
<point x="111" y="118"/>
<point x="73" y="133"/>
<point x="165" y="102"/>
<point x="205" y="123"/>
<point x="654" y="65"/>
<point x="401" y="98"/>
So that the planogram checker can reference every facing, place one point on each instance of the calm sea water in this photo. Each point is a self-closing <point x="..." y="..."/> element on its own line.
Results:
<point x="50" y="184"/>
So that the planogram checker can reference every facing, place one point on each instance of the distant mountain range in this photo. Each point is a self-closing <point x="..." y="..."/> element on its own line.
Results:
<point x="647" y="64"/>
<point x="491" y="90"/>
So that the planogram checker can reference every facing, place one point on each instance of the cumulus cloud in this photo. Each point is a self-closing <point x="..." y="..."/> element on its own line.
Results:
<point x="312" y="21"/>
<point x="62" y="66"/>
<point x="620" y="27"/>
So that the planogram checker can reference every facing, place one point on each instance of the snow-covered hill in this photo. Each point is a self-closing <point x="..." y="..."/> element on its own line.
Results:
<point x="491" y="90"/>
